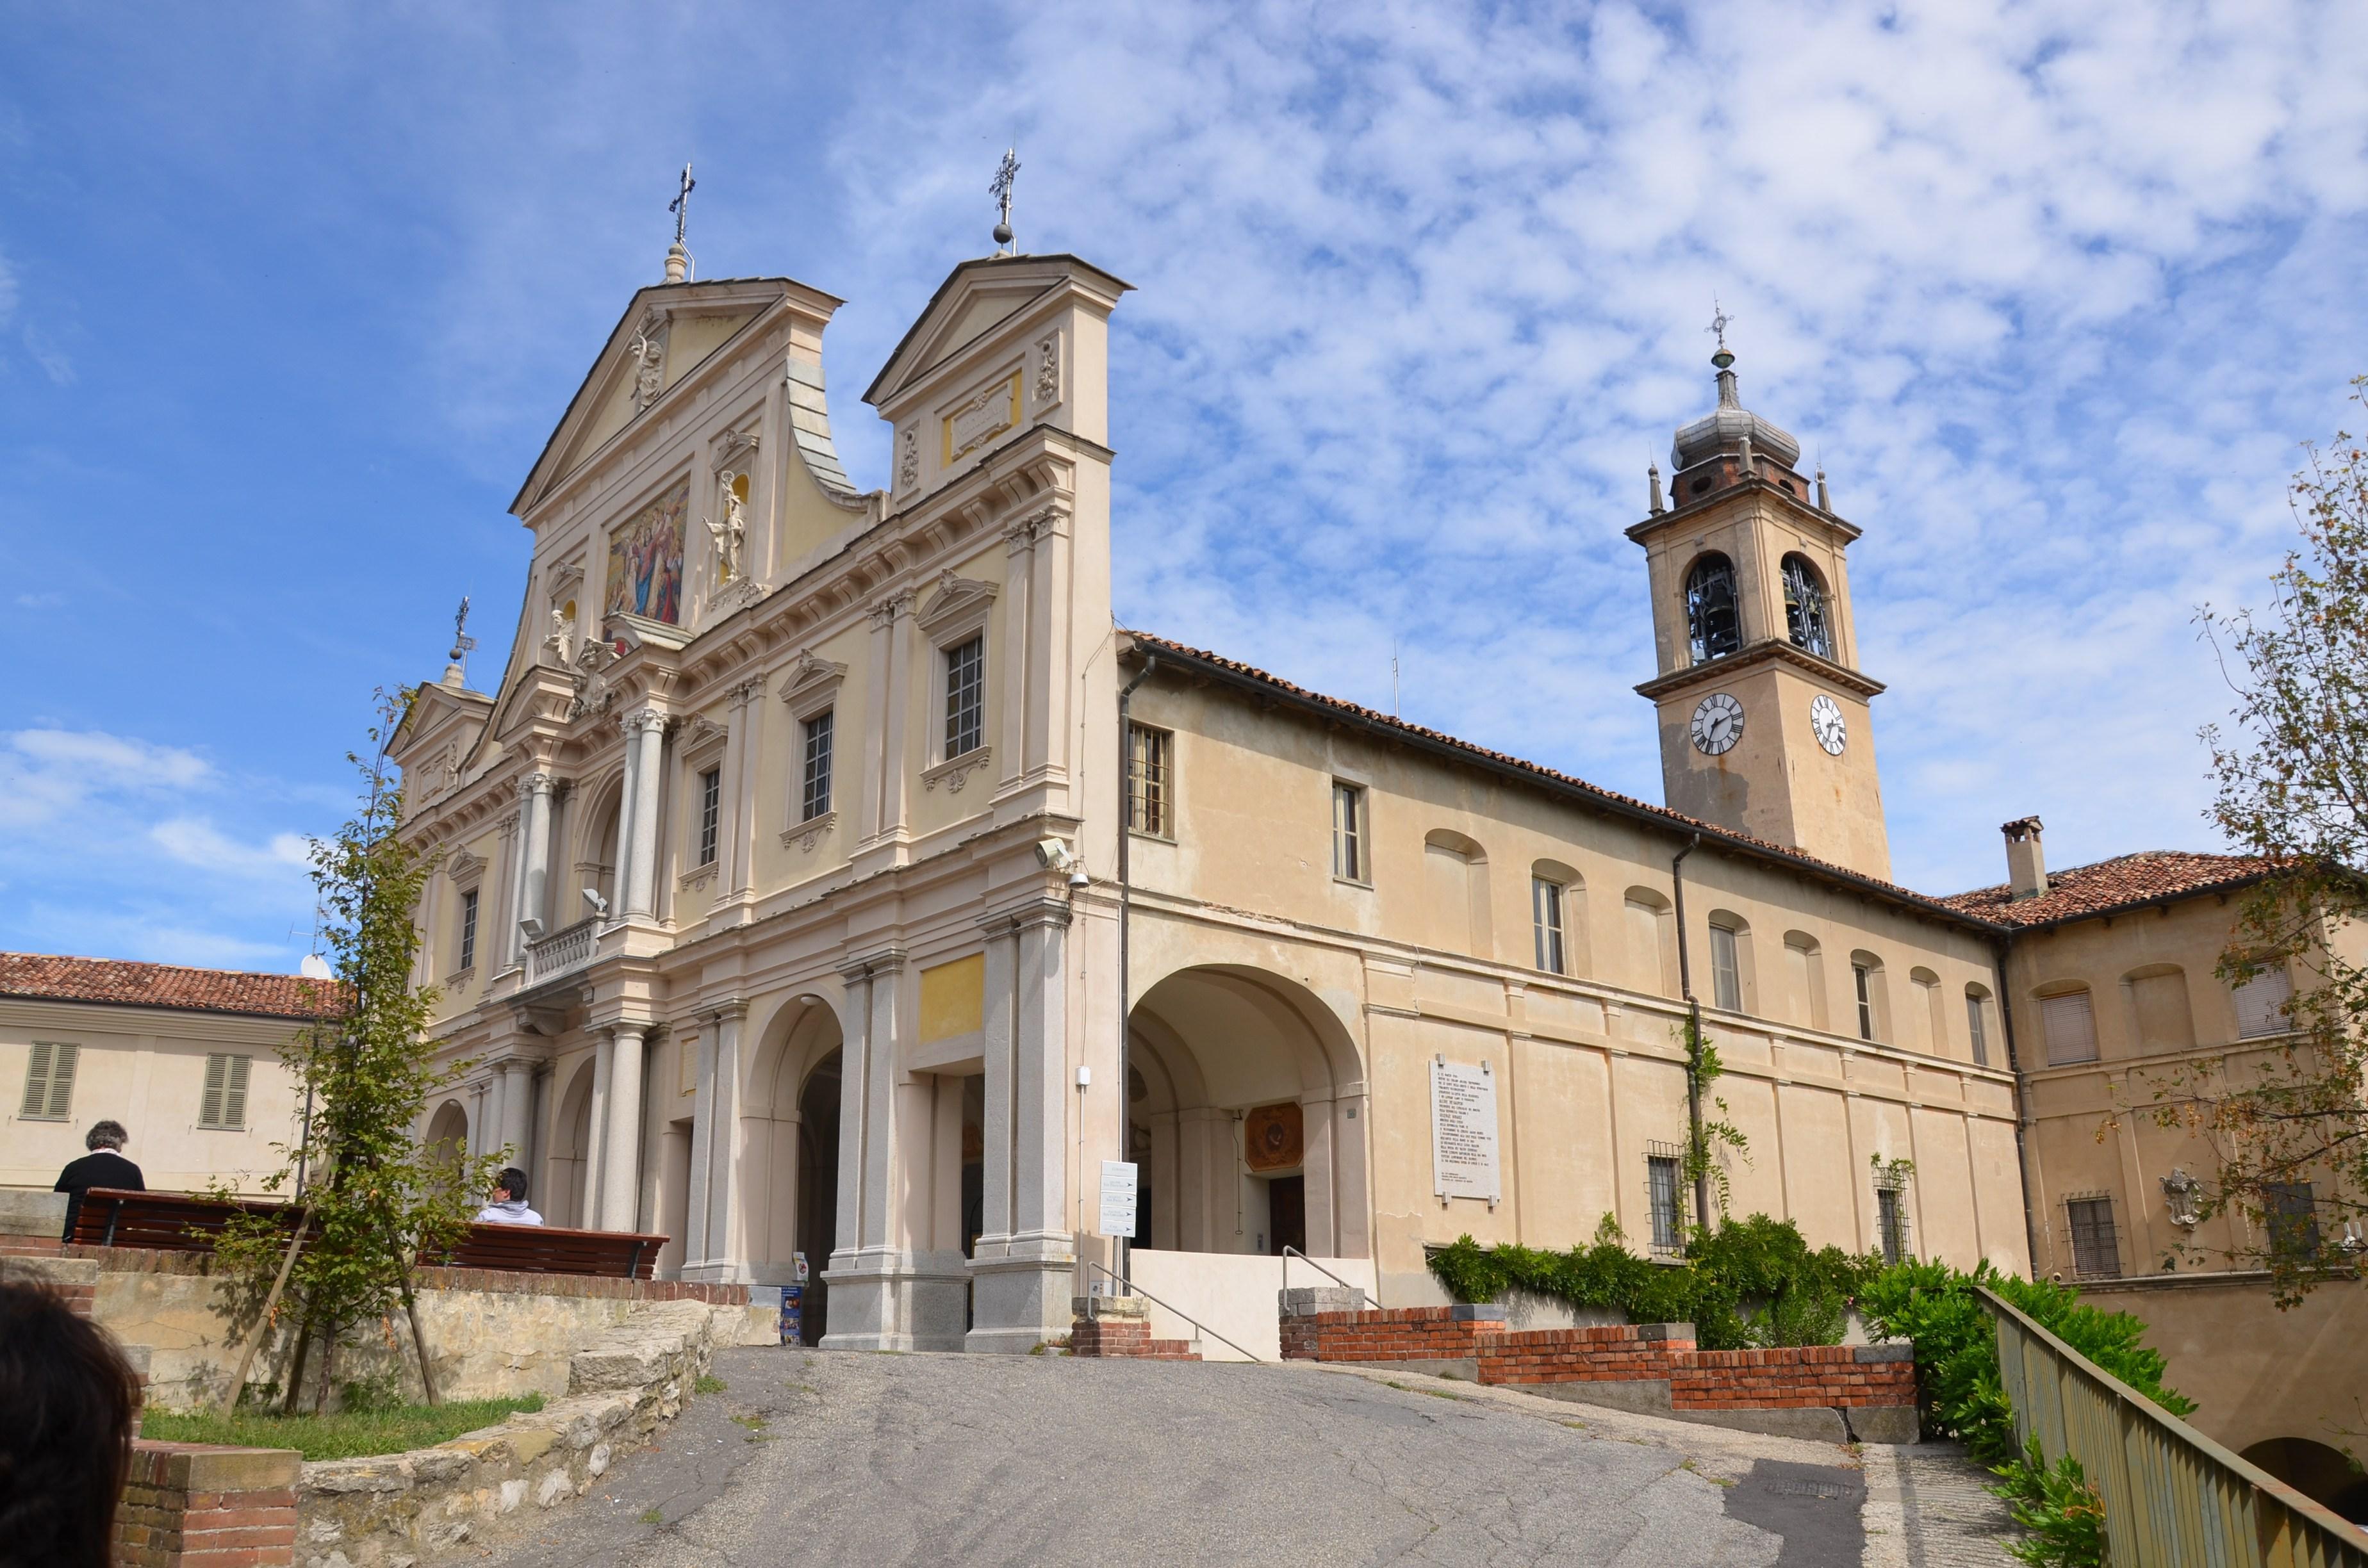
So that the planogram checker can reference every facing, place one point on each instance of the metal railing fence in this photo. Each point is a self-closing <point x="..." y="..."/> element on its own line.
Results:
<point x="2172" y="1496"/>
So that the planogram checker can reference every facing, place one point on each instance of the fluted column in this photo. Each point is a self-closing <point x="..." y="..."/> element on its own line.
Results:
<point x="645" y="741"/>
<point x="621" y="1168"/>
<point x="517" y="1097"/>
<point x="534" y="861"/>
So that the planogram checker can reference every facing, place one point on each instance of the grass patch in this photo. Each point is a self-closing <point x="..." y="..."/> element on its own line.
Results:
<point x="343" y="1436"/>
<point x="654" y="1516"/>
<point x="708" y="1383"/>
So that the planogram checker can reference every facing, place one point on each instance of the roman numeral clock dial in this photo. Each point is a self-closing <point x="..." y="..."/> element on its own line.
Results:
<point x="1825" y="724"/>
<point x="1717" y="724"/>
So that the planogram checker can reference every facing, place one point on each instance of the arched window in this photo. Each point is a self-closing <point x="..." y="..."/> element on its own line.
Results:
<point x="1711" y="623"/>
<point x="1805" y="608"/>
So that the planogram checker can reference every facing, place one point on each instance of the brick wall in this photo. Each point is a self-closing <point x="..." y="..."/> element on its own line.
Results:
<point x="1125" y="1337"/>
<point x="1405" y="1334"/>
<point x="1834" y="1376"/>
<point x="190" y="1505"/>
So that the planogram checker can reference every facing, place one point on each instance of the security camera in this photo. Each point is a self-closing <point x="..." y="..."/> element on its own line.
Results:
<point x="1053" y="854"/>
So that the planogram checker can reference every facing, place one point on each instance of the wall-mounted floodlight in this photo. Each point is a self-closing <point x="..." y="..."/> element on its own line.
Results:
<point x="1053" y="854"/>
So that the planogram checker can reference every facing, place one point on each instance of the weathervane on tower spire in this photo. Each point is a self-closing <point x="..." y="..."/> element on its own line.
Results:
<point x="1719" y="322"/>
<point x="1006" y="172"/>
<point x="677" y="266"/>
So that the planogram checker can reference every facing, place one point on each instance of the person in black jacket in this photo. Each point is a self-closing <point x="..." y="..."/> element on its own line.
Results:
<point x="103" y="1166"/>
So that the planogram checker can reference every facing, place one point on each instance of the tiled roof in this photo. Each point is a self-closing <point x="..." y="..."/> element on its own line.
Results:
<point x="126" y="985"/>
<point x="1624" y="804"/>
<point x="2125" y="882"/>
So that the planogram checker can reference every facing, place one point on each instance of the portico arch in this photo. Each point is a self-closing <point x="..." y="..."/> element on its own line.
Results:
<point x="595" y="860"/>
<point x="788" y="1142"/>
<point x="447" y="1136"/>
<point x="571" y="1153"/>
<point x="1247" y="1116"/>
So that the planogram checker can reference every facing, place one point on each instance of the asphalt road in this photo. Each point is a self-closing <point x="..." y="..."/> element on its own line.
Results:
<point x="808" y="1458"/>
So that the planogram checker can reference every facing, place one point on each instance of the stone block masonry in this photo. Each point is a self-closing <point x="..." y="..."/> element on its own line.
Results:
<point x="192" y="1506"/>
<point x="1866" y="1392"/>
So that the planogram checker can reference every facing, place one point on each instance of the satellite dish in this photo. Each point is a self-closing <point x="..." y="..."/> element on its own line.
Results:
<point x="314" y="967"/>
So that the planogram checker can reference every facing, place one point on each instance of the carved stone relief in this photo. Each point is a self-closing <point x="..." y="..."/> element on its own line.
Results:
<point x="1048" y="370"/>
<point x="908" y="463"/>
<point x="648" y="351"/>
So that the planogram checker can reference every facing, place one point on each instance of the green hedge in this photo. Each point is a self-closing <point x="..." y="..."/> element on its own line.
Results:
<point x="1749" y="1284"/>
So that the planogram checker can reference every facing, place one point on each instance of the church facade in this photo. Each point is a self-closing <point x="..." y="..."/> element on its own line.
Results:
<point x="827" y="877"/>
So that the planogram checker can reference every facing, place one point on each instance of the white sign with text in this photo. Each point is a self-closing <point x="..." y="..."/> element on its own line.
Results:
<point x="1464" y="1132"/>
<point x="1118" y="1198"/>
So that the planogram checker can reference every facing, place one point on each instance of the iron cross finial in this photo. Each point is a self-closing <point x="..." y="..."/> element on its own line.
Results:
<point x="462" y="641"/>
<point x="680" y="205"/>
<point x="1000" y="189"/>
<point x="1719" y="322"/>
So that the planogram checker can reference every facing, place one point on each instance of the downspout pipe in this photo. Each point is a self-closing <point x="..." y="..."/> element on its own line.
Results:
<point x="1125" y="1001"/>
<point x="1693" y="1016"/>
<point x="2002" y="949"/>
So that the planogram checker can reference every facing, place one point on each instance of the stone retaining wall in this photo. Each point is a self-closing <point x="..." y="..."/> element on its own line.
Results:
<point x="1863" y="1391"/>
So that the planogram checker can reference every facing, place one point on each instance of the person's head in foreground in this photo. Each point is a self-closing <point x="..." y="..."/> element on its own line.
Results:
<point x="66" y="1445"/>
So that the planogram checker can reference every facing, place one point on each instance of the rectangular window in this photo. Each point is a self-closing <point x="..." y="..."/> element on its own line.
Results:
<point x="49" y="1081"/>
<point x="469" y="929"/>
<point x="1973" y="1026"/>
<point x="2261" y="1003"/>
<point x="1545" y="910"/>
<point x="1863" y="978"/>
<point x="814" y="792"/>
<point x="711" y="814"/>
<point x="2070" y="1028"/>
<point x="1149" y="802"/>
<point x="2293" y="1215"/>
<point x="1348" y="832"/>
<point x="1725" y="974"/>
<point x="966" y="697"/>
<point x="222" y="1106"/>
<point x="1891" y="1222"/>
<point x="2096" y="1251"/>
<point x="1661" y="1197"/>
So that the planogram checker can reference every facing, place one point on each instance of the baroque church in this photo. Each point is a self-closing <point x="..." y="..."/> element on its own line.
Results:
<point x="828" y="885"/>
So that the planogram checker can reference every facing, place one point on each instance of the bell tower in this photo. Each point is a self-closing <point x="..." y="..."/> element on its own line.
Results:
<point x="1765" y="727"/>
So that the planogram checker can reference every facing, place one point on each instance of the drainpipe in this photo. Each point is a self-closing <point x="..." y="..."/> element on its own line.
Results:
<point x="2002" y="947"/>
<point x="1693" y="1014"/>
<point x="1125" y="1076"/>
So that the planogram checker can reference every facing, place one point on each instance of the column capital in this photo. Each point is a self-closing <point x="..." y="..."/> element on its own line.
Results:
<point x="1042" y="912"/>
<point x="642" y="719"/>
<point x="887" y="961"/>
<point x="745" y="692"/>
<point x="535" y="783"/>
<point x="730" y="1008"/>
<point x="885" y="609"/>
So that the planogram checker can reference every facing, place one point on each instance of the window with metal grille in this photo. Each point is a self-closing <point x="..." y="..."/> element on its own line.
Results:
<point x="1348" y="832"/>
<point x="1725" y="971"/>
<point x="1863" y="976"/>
<point x="1148" y="780"/>
<point x="223" y="1104"/>
<point x="1545" y="911"/>
<point x="966" y="696"/>
<point x="1662" y="1200"/>
<point x="711" y="814"/>
<point x="1713" y="627"/>
<point x="1805" y="608"/>
<point x="1891" y="1222"/>
<point x="2096" y="1251"/>
<point x="469" y="929"/>
<point x="49" y="1081"/>
<point x="814" y="792"/>
<point x="2070" y="1028"/>
<point x="2262" y="1004"/>
<point x="2292" y="1211"/>
<point x="1976" y="1026"/>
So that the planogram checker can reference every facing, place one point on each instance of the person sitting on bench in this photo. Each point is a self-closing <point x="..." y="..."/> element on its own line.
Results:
<point x="103" y="1166"/>
<point x="509" y="1205"/>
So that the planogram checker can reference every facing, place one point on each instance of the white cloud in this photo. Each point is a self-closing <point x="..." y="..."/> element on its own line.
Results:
<point x="52" y="359"/>
<point x="46" y="773"/>
<point x="195" y="842"/>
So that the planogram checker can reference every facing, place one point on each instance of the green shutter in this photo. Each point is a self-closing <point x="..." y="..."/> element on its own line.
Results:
<point x="209" y="1104"/>
<point x="37" y="1082"/>
<point x="62" y="1079"/>
<point x="234" y="1091"/>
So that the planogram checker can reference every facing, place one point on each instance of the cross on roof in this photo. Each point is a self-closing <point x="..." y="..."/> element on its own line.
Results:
<point x="1719" y="322"/>
<point x="680" y="205"/>
<point x="1000" y="188"/>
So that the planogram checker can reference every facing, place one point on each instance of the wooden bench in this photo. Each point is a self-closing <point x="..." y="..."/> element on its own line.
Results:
<point x="181" y="1221"/>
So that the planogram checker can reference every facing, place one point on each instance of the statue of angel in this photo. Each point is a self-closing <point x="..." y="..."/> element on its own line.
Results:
<point x="731" y="529"/>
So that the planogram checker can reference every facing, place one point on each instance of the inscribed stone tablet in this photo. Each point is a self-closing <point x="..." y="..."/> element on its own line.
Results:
<point x="1464" y="1132"/>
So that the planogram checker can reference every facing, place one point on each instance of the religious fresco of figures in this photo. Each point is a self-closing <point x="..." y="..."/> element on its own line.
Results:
<point x="645" y="559"/>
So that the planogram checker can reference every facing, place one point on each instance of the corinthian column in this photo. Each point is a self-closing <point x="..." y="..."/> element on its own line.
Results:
<point x="645" y="741"/>
<point x="534" y="859"/>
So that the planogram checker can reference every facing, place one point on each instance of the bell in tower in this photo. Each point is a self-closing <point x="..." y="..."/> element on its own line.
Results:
<point x="1765" y="727"/>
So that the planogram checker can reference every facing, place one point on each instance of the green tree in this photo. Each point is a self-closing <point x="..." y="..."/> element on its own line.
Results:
<point x="2291" y="776"/>
<point x="372" y="1198"/>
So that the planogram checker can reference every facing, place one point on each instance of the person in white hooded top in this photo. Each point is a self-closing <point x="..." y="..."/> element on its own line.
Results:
<point x="509" y="1204"/>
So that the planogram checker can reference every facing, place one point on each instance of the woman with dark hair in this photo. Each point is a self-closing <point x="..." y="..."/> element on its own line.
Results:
<point x="69" y="1404"/>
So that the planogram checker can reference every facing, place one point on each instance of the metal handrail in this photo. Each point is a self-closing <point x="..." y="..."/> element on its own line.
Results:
<point x="1289" y="1251"/>
<point x="2171" y="1495"/>
<point x="1128" y="1288"/>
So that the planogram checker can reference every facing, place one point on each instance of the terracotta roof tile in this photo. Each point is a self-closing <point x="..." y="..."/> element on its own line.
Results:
<point x="2125" y="882"/>
<point x="122" y="983"/>
<point x="1626" y="803"/>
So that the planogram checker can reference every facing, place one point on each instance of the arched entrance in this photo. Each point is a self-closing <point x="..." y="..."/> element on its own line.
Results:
<point x="447" y="1135"/>
<point x="817" y="1229"/>
<point x="788" y="1170"/>
<point x="1246" y="1099"/>
<point x="571" y="1154"/>
<point x="2322" y="1473"/>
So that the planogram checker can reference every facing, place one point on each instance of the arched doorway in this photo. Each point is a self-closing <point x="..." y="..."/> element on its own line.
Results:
<point x="1246" y="1096"/>
<point x="818" y="1188"/>
<point x="447" y="1136"/>
<point x="571" y="1154"/>
<point x="787" y="1170"/>
<point x="2322" y="1473"/>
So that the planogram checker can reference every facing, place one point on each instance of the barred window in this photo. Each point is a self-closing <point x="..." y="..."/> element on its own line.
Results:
<point x="711" y="814"/>
<point x="1150" y="805"/>
<point x="222" y="1107"/>
<point x="1348" y="832"/>
<point x="1891" y="1222"/>
<point x="814" y="793"/>
<point x="49" y="1081"/>
<point x="966" y="696"/>
<point x="1545" y="909"/>
<point x="2096" y="1251"/>
<point x="1662" y="1200"/>
<point x="469" y="929"/>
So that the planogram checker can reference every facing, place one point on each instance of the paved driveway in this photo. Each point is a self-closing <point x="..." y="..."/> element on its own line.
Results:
<point x="810" y="1458"/>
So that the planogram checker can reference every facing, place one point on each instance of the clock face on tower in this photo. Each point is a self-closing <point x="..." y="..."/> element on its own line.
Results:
<point x="1718" y="724"/>
<point x="1825" y="724"/>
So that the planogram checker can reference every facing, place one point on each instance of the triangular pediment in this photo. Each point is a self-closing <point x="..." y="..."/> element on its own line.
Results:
<point x="976" y="298"/>
<point x="665" y="334"/>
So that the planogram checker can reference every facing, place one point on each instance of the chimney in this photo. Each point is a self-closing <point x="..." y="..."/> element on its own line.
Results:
<point x="2026" y="863"/>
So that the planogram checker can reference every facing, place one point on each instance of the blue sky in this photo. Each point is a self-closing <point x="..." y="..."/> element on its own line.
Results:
<point x="290" y="296"/>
